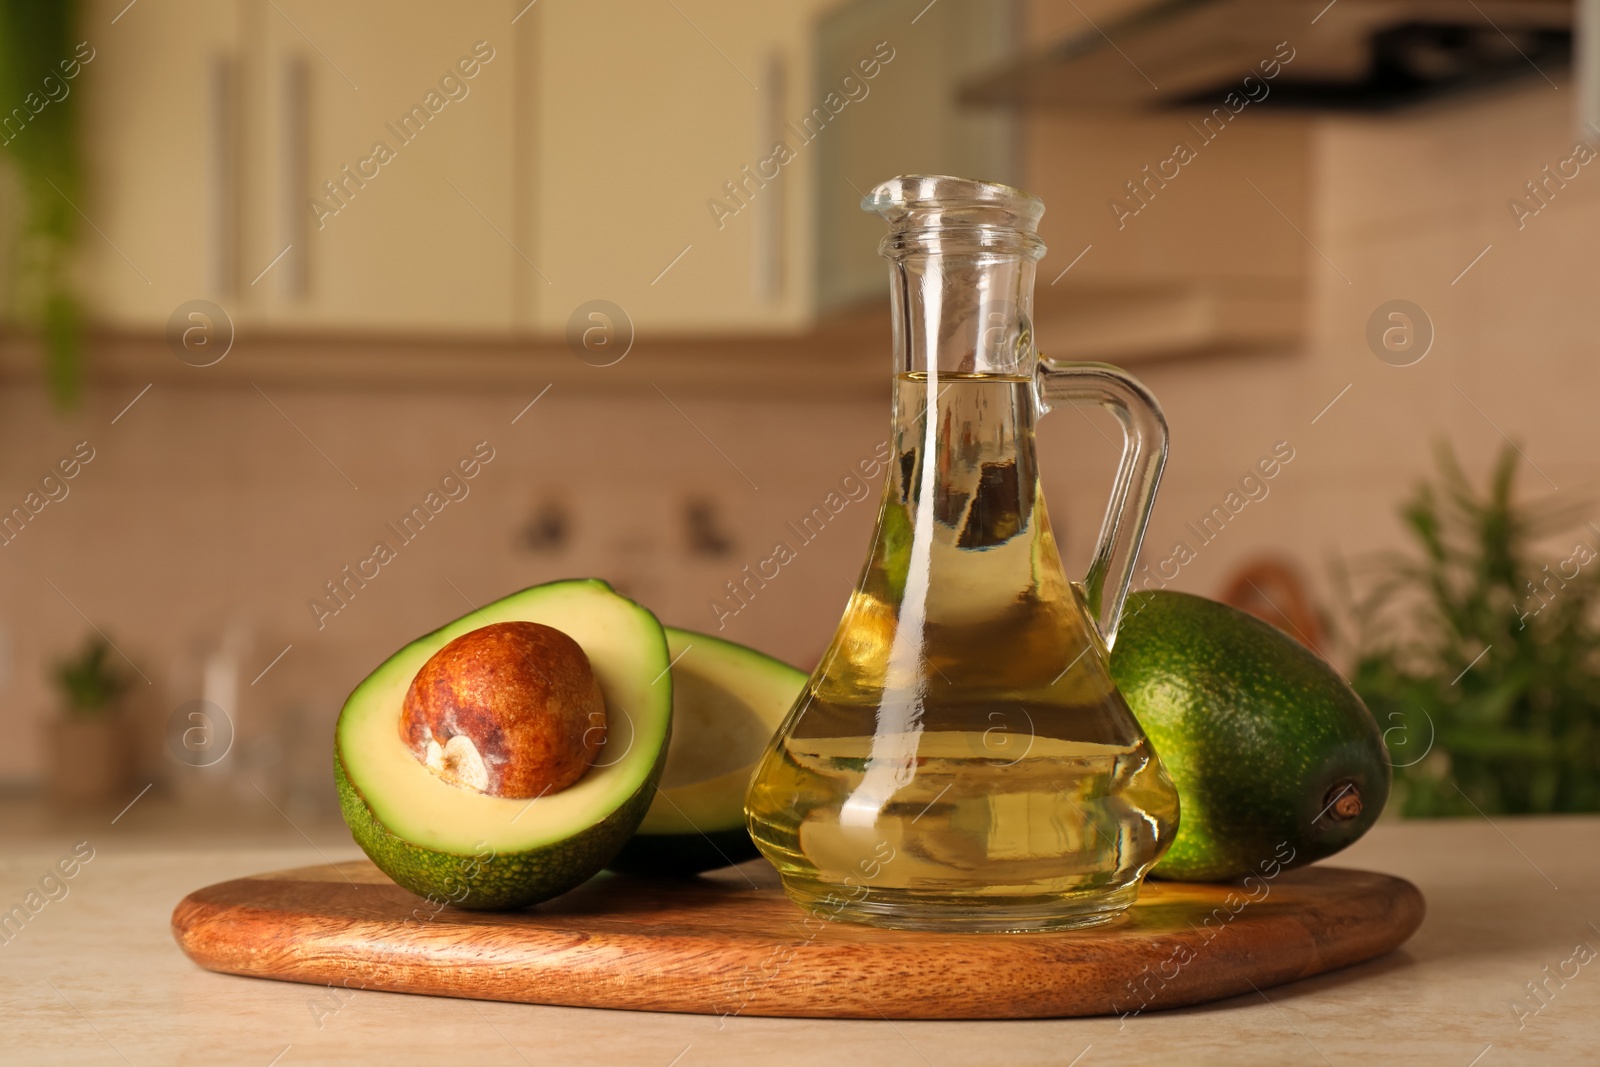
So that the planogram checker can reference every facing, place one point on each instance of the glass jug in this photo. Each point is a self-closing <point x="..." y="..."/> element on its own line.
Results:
<point x="960" y="759"/>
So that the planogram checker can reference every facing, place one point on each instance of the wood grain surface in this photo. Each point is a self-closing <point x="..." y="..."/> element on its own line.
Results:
<point x="731" y="943"/>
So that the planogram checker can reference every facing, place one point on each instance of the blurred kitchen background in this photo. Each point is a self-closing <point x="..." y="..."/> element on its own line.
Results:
<point x="255" y="337"/>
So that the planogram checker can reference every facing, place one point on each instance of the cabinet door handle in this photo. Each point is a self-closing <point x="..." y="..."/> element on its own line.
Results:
<point x="294" y="176"/>
<point x="766" y="241"/>
<point x="221" y="194"/>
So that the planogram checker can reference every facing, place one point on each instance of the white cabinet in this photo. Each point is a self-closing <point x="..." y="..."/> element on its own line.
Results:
<point x="484" y="167"/>
<point x="153" y="94"/>
<point x="381" y="166"/>
<point x="658" y="187"/>
<point x="305" y="164"/>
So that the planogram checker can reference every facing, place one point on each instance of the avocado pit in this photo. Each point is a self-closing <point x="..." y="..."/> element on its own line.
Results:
<point x="512" y="709"/>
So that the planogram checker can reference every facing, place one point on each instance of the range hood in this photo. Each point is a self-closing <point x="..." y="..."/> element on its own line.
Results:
<point x="1348" y="55"/>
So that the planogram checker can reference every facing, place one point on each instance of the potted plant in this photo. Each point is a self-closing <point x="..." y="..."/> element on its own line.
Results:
<point x="87" y="749"/>
<point x="1479" y="654"/>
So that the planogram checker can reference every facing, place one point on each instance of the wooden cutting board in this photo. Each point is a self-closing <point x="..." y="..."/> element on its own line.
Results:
<point x="731" y="943"/>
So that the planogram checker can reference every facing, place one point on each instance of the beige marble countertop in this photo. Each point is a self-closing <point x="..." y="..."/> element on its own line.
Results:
<point x="95" y="977"/>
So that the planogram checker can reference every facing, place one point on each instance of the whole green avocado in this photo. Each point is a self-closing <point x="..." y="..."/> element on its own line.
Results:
<point x="1277" y="761"/>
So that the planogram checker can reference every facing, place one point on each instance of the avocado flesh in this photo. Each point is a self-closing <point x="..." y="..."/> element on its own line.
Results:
<point x="465" y="848"/>
<point x="727" y="701"/>
<point x="1260" y="735"/>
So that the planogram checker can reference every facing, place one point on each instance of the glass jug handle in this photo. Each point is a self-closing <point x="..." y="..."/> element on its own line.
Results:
<point x="1144" y="454"/>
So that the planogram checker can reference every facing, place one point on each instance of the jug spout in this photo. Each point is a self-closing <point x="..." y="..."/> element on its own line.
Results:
<point x="961" y="258"/>
<point x="923" y="202"/>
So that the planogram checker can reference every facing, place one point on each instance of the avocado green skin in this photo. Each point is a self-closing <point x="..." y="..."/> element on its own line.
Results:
<point x="1255" y="730"/>
<point x="501" y="882"/>
<point x="683" y="855"/>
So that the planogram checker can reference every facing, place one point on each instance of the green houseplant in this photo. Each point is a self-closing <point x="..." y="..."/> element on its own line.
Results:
<point x="90" y="685"/>
<point x="87" y="742"/>
<point x="39" y="141"/>
<point x="1479" y="654"/>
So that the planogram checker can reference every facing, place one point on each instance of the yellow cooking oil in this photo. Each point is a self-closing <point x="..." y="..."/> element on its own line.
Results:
<point x="961" y="758"/>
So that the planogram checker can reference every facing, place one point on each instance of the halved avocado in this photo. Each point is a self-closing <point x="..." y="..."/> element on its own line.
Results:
<point x="727" y="700"/>
<point x="461" y="847"/>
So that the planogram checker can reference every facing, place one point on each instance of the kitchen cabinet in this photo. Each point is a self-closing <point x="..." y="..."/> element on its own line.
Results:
<point x="659" y="189"/>
<point x="381" y="166"/>
<point x="334" y="167"/>
<point x="331" y="167"/>
<point x="304" y="164"/>
<point x="483" y="170"/>
<point x="158" y="231"/>
<point x="854" y="93"/>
